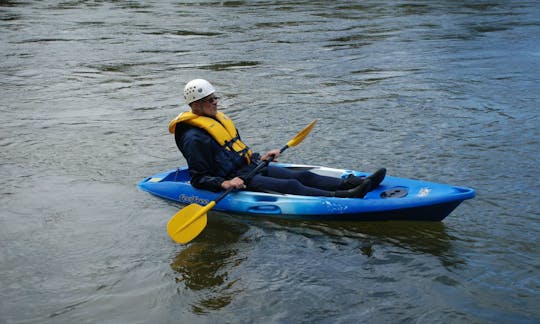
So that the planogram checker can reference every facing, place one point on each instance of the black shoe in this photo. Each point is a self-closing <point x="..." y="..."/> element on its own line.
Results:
<point x="358" y="192"/>
<point x="352" y="181"/>
<point x="377" y="177"/>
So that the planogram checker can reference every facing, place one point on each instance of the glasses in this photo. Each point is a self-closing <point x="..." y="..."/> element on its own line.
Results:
<point x="211" y="99"/>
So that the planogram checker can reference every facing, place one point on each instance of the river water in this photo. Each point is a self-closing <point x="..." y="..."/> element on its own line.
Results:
<point x="446" y="91"/>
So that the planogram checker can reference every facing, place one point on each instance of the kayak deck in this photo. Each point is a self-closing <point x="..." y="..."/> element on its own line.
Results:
<point x="395" y="199"/>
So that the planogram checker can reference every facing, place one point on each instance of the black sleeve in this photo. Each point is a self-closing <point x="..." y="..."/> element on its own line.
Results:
<point x="196" y="146"/>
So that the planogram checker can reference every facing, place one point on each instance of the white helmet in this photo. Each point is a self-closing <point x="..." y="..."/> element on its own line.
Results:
<point x="197" y="89"/>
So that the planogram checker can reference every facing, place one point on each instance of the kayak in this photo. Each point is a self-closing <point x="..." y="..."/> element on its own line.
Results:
<point x="395" y="199"/>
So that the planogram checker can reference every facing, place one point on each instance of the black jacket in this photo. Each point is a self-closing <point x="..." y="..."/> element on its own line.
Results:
<point x="209" y="163"/>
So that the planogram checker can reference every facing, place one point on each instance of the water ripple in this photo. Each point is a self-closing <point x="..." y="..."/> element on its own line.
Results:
<point x="437" y="90"/>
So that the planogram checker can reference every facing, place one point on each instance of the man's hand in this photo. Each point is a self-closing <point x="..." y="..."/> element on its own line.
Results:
<point x="275" y="153"/>
<point x="236" y="183"/>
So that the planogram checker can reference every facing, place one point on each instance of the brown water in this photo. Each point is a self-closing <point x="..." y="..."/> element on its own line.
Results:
<point x="439" y="90"/>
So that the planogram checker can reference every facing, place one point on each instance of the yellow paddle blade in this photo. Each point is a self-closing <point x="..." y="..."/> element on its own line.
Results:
<point x="188" y="222"/>
<point x="303" y="134"/>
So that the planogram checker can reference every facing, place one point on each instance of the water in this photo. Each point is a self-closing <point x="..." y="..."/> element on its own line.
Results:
<point x="446" y="91"/>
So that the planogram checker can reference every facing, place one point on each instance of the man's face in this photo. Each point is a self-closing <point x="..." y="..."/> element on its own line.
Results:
<point x="209" y="105"/>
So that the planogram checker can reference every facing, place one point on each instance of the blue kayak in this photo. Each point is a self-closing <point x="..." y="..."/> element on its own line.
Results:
<point x="395" y="199"/>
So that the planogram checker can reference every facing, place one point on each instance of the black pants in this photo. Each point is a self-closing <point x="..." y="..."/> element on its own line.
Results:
<point x="297" y="182"/>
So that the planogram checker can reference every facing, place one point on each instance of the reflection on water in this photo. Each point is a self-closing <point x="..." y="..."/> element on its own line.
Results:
<point x="422" y="237"/>
<point x="293" y="258"/>
<point x="417" y="237"/>
<point x="204" y="264"/>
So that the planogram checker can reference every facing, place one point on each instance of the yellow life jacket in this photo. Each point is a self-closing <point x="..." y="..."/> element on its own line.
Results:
<point x="221" y="129"/>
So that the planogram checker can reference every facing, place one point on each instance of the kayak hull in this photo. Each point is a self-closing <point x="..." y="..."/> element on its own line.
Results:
<point x="395" y="199"/>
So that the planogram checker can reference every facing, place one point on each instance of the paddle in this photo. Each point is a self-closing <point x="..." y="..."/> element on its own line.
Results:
<point x="189" y="221"/>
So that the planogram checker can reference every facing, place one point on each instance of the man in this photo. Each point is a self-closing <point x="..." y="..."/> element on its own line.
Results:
<point x="218" y="159"/>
